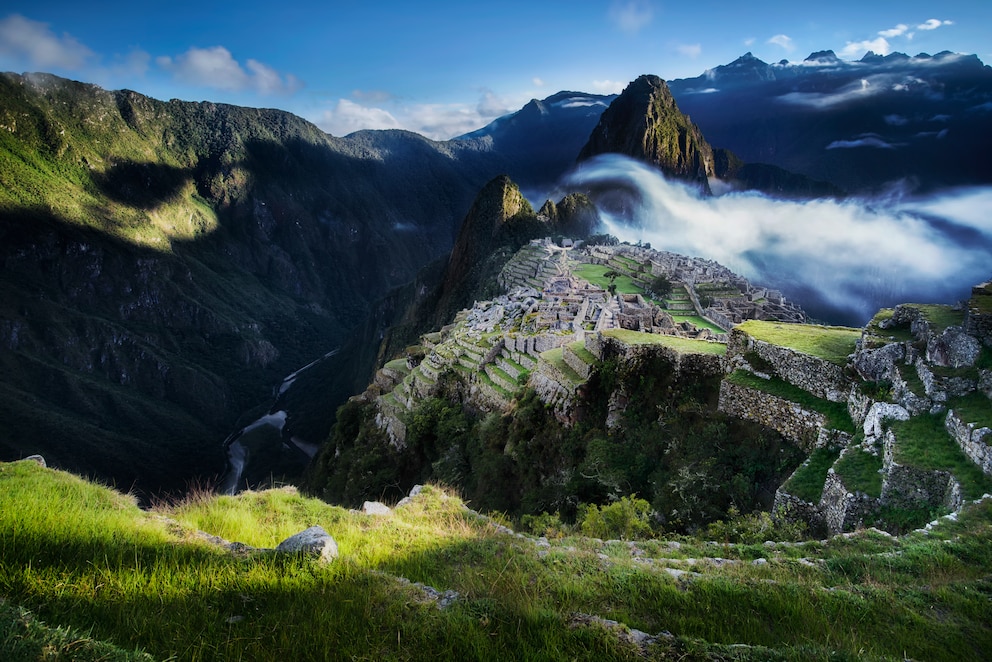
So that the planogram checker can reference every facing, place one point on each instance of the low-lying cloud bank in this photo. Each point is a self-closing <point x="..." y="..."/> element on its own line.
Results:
<point x="841" y="260"/>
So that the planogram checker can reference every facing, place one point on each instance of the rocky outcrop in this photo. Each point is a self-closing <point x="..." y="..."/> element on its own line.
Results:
<point x="974" y="440"/>
<point x="644" y="122"/>
<point x="314" y="541"/>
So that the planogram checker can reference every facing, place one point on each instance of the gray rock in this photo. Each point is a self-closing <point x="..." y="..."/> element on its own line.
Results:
<point x="37" y="458"/>
<point x="313" y="541"/>
<point x="376" y="508"/>
<point x="879" y="412"/>
<point x="953" y="349"/>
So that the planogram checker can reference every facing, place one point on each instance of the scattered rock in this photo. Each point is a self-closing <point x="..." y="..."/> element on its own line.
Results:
<point x="376" y="508"/>
<point x="314" y="541"/>
<point x="36" y="458"/>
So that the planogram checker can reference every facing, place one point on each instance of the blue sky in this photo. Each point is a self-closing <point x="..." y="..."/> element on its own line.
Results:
<point x="446" y="68"/>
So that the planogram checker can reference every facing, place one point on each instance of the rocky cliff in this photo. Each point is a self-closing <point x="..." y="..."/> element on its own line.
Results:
<point x="645" y="123"/>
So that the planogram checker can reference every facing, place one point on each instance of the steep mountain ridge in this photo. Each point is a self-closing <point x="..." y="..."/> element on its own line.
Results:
<point x="644" y="122"/>
<point x="167" y="263"/>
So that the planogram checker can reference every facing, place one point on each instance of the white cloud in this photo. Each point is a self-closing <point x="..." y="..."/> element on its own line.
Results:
<point x="348" y="117"/>
<point x="784" y="41"/>
<point x="826" y="100"/>
<point x="933" y="24"/>
<point x="537" y="82"/>
<point x="690" y="50"/>
<point x="216" y="68"/>
<point x="895" y="120"/>
<point x="851" y="257"/>
<point x="34" y="45"/>
<point x="749" y="41"/>
<point x="631" y="15"/>
<point x="608" y="86"/>
<point x="866" y="141"/>
<point x="894" y="32"/>
<point x="855" y="49"/>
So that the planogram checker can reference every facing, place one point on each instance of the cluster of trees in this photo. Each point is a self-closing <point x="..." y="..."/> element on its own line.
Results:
<point x="672" y="449"/>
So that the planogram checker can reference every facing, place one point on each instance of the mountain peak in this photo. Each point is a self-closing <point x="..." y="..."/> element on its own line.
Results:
<point x="823" y="56"/>
<point x="645" y="123"/>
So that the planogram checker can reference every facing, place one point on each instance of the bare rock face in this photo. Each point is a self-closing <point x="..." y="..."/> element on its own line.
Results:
<point x="953" y="349"/>
<point x="314" y="541"/>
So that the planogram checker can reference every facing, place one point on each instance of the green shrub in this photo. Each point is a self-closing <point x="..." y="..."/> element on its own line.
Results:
<point x="754" y="528"/>
<point x="626" y="519"/>
<point x="546" y="524"/>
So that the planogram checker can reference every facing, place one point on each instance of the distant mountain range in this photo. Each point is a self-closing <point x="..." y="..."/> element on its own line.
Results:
<point x="922" y="120"/>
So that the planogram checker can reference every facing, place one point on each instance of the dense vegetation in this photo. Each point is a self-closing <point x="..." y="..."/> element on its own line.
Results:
<point x="668" y="445"/>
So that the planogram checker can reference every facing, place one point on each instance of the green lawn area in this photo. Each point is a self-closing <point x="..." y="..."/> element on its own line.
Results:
<point x="555" y="358"/>
<point x="807" y="482"/>
<point x="940" y="316"/>
<point x="698" y="322"/>
<point x="683" y="345"/>
<point x="831" y="343"/>
<point x="973" y="408"/>
<point x="859" y="471"/>
<point x="580" y="350"/>
<point x="594" y="274"/>
<point x="923" y="442"/>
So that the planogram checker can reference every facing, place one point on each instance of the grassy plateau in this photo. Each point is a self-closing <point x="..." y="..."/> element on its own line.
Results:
<point x="86" y="574"/>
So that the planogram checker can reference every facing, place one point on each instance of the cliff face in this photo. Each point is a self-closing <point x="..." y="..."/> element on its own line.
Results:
<point x="645" y="123"/>
<point x="164" y="265"/>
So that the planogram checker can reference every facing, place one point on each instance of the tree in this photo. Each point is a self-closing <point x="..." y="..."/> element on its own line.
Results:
<point x="661" y="286"/>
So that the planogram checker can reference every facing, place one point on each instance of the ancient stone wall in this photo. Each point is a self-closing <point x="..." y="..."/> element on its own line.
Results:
<point x="817" y="376"/>
<point x="844" y="510"/>
<point x="787" y="418"/>
<point x="975" y="441"/>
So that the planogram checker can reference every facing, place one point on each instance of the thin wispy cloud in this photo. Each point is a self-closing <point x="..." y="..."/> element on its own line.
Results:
<point x="372" y="96"/>
<point x="897" y="31"/>
<point x="537" y="82"/>
<point x="631" y="15"/>
<point x="216" y="68"/>
<point x="933" y="24"/>
<point x="689" y="50"/>
<point x="348" y="117"/>
<point x="33" y="45"/>
<point x="608" y="86"/>
<point x="855" y="49"/>
<point x="783" y="41"/>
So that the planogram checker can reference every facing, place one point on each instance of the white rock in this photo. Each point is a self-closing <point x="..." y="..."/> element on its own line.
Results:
<point x="376" y="508"/>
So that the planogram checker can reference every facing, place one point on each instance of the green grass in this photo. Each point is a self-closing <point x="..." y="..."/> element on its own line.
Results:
<point x="807" y="482"/>
<point x="836" y="414"/>
<point x="973" y="408"/>
<point x="830" y="343"/>
<point x="683" y="345"/>
<point x="860" y="472"/>
<point x="399" y="365"/>
<point x="912" y="379"/>
<point x="579" y="349"/>
<point x="939" y="316"/>
<point x="555" y="357"/>
<point x="594" y="273"/>
<point x="80" y="556"/>
<point x="923" y="442"/>
<point x="698" y="322"/>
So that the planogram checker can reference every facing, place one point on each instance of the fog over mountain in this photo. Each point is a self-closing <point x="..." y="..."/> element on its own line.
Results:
<point x="841" y="260"/>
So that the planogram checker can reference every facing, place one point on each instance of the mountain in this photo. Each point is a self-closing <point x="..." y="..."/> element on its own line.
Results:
<point x="539" y="142"/>
<point x="858" y="125"/>
<point x="645" y="123"/>
<point x="166" y="264"/>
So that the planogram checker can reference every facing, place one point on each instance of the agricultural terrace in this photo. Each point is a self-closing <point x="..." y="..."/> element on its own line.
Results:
<point x="682" y="345"/>
<point x="830" y="343"/>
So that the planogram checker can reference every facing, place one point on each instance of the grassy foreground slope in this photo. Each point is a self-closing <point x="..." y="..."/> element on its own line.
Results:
<point x="85" y="557"/>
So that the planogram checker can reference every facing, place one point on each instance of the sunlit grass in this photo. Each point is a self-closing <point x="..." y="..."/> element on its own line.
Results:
<point x="134" y="579"/>
<point x="683" y="345"/>
<point x="831" y="343"/>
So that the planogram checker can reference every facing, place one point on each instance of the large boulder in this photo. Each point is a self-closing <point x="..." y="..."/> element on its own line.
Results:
<point x="880" y="412"/>
<point x="953" y="349"/>
<point x="314" y="541"/>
